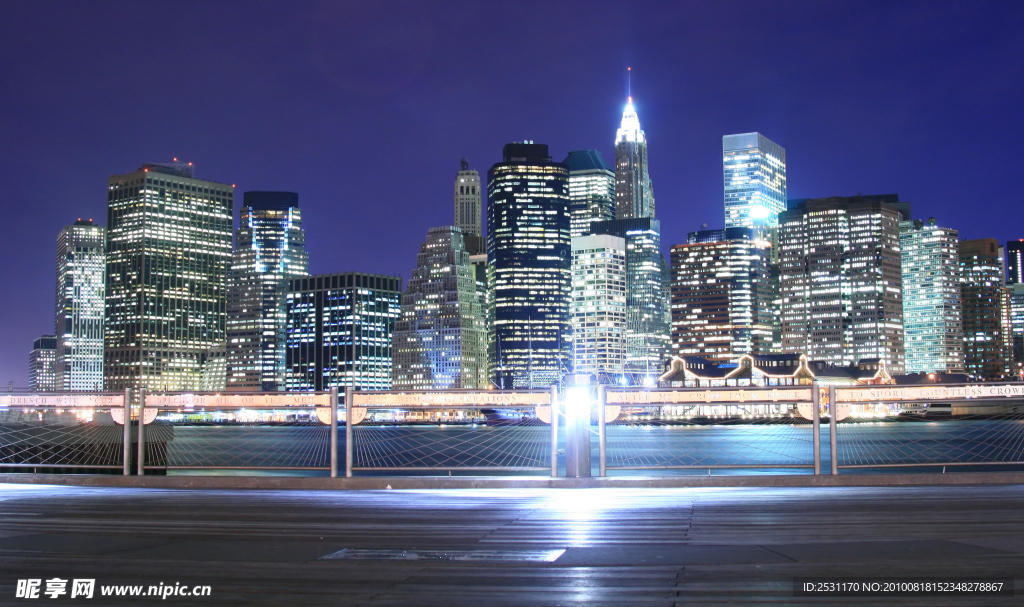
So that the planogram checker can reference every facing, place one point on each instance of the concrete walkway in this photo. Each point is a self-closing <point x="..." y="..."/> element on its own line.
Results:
<point x="510" y="546"/>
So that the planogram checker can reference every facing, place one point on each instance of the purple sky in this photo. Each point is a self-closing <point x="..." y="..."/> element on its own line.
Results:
<point x="365" y="108"/>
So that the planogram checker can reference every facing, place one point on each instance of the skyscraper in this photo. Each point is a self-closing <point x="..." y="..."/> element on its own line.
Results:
<point x="467" y="201"/>
<point x="591" y="190"/>
<point x="168" y="250"/>
<point x="1015" y="262"/>
<point x="634" y="196"/>
<point x="840" y="279"/>
<point x="1017" y="328"/>
<point x="339" y="331"/>
<point x="81" y="288"/>
<point x="755" y="181"/>
<point x="270" y="249"/>
<point x="599" y="306"/>
<point x="932" y="312"/>
<point x="986" y="307"/>
<point x="42" y="375"/>
<point x="440" y="341"/>
<point x="721" y="295"/>
<point x="528" y="249"/>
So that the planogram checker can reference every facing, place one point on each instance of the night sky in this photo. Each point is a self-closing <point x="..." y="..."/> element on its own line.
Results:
<point x="365" y="108"/>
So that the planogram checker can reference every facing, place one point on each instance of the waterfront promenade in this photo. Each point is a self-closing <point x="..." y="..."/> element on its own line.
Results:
<point x="627" y="545"/>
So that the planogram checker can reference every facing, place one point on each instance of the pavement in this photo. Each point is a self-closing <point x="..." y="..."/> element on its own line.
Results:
<point x="497" y="546"/>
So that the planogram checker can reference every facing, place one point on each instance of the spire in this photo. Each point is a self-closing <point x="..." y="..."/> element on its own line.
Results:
<point x="629" y="129"/>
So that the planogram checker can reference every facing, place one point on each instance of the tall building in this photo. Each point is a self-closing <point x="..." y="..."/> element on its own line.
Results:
<point x="986" y="308"/>
<point x="440" y="340"/>
<point x="599" y="306"/>
<point x="932" y="312"/>
<point x="528" y="250"/>
<point x="81" y="288"/>
<point x="647" y="296"/>
<point x="754" y="169"/>
<point x="840" y="279"/>
<point x="168" y="250"/>
<point x="591" y="190"/>
<point x="721" y="295"/>
<point x="42" y="362"/>
<point x="1015" y="262"/>
<point x="634" y="196"/>
<point x="270" y="249"/>
<point x="339" y="331"/>
<point x="1017" y="328"/>
<point x="467" y="201"/>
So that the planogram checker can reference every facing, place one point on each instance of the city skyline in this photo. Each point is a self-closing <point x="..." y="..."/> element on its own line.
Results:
<point x="852" y="115"/>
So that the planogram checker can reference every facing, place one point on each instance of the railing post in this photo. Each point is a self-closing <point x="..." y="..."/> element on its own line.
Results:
<point x="141" y="463"/>
<point x="833" y="408"/>
<point x="554" y="430"/>
<point x="816" y="417"/>
<point x="602" y="436"/>
<point x="127" y="455"/>
<point x="334" y="432"/>
<point x="348" y="432"/>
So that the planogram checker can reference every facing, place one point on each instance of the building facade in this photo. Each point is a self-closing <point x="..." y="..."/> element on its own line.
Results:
<point x="986" y="310"/>
<point x="528" y="250"/>
<point x="270" y="250"/>
<point x="840" y="279"/>
<point x="1015" y="262"/>
<point x="932" y="311"/>
<point x="599" y="306"/>
<point x="634" y="195"/>
<point x="591" y="190"/>
<point x="1017" y="328"/>
<point x="468" y="196"/>
<point x="340" y="331"/>
<point x="168" y="249"/>
<point x="721" y="295"/>
<point x="42" y="363"/>
<point x="754" y="169"/>
<point x="81" y="288"/>
<point x="440" y="340"/>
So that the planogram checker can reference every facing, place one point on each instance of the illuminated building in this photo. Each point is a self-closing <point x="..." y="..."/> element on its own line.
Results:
<point x="721" y="295"/>
<point x="986" y="309"/>
<point x="440" y="340"/>
<point x="591" y="190"/>
<point x="270" y="249"/>
<point x="599" y="306"/>
<point x="840" y="279"/>
<point x="932" y="313"/>
<point x="1017" y="326"/>
<point x="647" y="288"/>
<point x="634" y="196"/>
<point x="168" y="251"/>
<point x="755" y="181"/>
<point x="771" y="370"/>
<point x="81" y="288"/>
<point x="42" y="362"/>
<point x="1015" y="262"/>
<point x="339" y="331"/>
<point x="528" y="249"/>
<point x="467" y="201"/>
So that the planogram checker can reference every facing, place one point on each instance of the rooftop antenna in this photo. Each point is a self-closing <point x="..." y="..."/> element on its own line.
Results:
<point x="629" y="84"/>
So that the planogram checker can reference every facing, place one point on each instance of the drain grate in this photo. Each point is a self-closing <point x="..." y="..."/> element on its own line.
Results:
<point x="535" y="556"/>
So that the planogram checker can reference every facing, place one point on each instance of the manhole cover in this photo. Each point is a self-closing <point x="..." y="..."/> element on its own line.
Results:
<point x="536" y="556"/>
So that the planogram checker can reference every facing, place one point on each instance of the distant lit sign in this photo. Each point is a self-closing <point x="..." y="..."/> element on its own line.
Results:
<point x="237" y="400"/>
<point x="919" y="393"/>
<point x="61" y="400"/>
<point x="425" y="399"/>
<point x="671" y="397"/>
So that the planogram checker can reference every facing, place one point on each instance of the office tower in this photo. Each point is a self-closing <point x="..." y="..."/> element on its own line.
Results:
<point x="42" y="362"/>
<point x="599" y="306"/>
<point x="270" y="250"/>
<point x="1017" y="328"/>
<point x="986" y="309"/>
<point x="932" y="313"/>
<point x="339" y="331"/>
<point x="168" y="250"/>
<point x="81" y="288"/>
<point x="647" y="289"/>
<point x="214" y="374"/>
<point x="840" y="279"/>
<point x="528" y="250"/>
<point x="634" y="196"/>
<point x="721" y="295"/>
<point x="754" y="168"/>
<point x="440" y="340"/>
<point x="591" y="190"/>
<point x="1015" y="262"/>
<point x="467" y="201"/>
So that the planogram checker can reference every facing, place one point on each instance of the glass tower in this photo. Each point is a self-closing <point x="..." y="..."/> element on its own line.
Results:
<point x="168" y="251"/>
<point x="440" y="340"/>
<point x="755" y="181"/>
<point x="591" y="190"/>
<point x="528" y="250"/>
<point x="81" y="288"/>
<point x="932" y="312"/>
<point x="270" y="249"/>
<point x="599" y="306"/>
<point x="988" y="345"/>
<point x="467" y="201"/>
<point x="634" y="196"/>
<point x="42" y="362"/>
